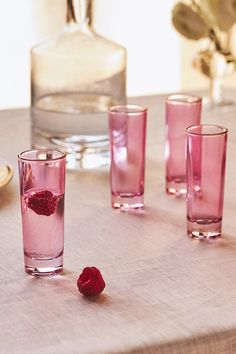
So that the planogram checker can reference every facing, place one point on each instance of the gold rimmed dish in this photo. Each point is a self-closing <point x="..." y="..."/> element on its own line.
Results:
<point x="6" y="174"/>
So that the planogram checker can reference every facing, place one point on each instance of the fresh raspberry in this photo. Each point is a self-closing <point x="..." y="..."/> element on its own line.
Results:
<point x="43" y="203"/>
<point x="90" y="282"/>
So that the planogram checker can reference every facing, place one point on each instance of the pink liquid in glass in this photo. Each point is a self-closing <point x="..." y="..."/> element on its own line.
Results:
<point x="127" y="128"/>
<point x="181" y="112"/>
<point x="43" y="234"/>
<point x="42" y="184"/>
<point x="206" y="157"/>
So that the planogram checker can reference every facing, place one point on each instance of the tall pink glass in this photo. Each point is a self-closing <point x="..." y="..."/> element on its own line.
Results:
<point x="42" y="188"/>
<point x="206" y="157"/>
<point x="127" y="129"/>
<point x="181" y="112"/>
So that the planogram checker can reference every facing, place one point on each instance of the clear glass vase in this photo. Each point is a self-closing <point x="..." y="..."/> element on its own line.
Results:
<point x="76" y="77"/>
<point x="216" y="63"/>
<point x="215" y="66"/>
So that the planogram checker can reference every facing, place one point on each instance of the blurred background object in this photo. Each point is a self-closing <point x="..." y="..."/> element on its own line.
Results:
<point x="159" y="60"/>
<point x="211" y="21"/>
<point x="76" y="76"/>
<point x="6" y="173"/>
<point x="143" y="27"/>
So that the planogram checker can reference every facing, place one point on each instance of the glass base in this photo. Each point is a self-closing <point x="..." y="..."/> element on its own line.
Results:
<point x="127" y="202"/>
<point x="222" y="105"/>
<point x="80" y="153"/>
<point x="75" y="123"/>
<point x="43" y="267"/>
<point x="203" y="229"/>
<point x="87" y="160"/>
<point x="176" y="187"/>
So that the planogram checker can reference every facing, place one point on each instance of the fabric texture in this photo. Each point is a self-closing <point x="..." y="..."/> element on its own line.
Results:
<point x="164" y="293"/>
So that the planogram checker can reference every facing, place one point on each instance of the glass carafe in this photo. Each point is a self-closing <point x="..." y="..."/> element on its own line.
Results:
<point x="75" y="77"/>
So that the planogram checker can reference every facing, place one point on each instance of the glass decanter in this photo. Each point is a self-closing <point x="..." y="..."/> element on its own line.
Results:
<point x="75" y="77"/>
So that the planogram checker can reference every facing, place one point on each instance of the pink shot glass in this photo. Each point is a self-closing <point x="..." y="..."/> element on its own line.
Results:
<point x="127" y="130"/>
<point x="181" y="112"/>
<point x="42" y="188"/>
<point x="206" y="159"/>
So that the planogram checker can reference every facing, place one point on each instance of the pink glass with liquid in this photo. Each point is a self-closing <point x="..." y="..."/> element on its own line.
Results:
<point x="206" y="159"/>
<point x="127" y="130"/>
<point x="42" y="188"/>
<point x="181" y="112"/>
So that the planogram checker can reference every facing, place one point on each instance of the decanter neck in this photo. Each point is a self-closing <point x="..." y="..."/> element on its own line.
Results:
<point x="79" y="12"/>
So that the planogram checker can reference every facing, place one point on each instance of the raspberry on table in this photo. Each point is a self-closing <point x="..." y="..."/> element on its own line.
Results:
<point x="90" y="282"/>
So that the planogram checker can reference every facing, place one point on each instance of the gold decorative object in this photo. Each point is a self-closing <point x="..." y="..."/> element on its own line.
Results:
<point x="212" y="20"/>
<point x="6" y="174"/>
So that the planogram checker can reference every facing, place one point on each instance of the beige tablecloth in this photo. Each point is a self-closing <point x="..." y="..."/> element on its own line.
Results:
<point x="165" y="293"/>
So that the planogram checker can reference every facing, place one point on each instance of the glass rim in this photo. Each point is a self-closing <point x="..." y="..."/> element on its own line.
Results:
<point x="128" y="109"/>
<point x="61" y="157"/>
<point x="222" y="130"/>
<point x="186" y="98"/>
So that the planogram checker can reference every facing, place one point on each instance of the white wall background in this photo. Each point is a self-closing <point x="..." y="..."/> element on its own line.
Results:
<point x="142" y="26"/>
<point x="22" y="24"/>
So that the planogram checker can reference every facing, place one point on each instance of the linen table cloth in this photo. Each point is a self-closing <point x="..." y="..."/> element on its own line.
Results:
<point x="165" y="293"/>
